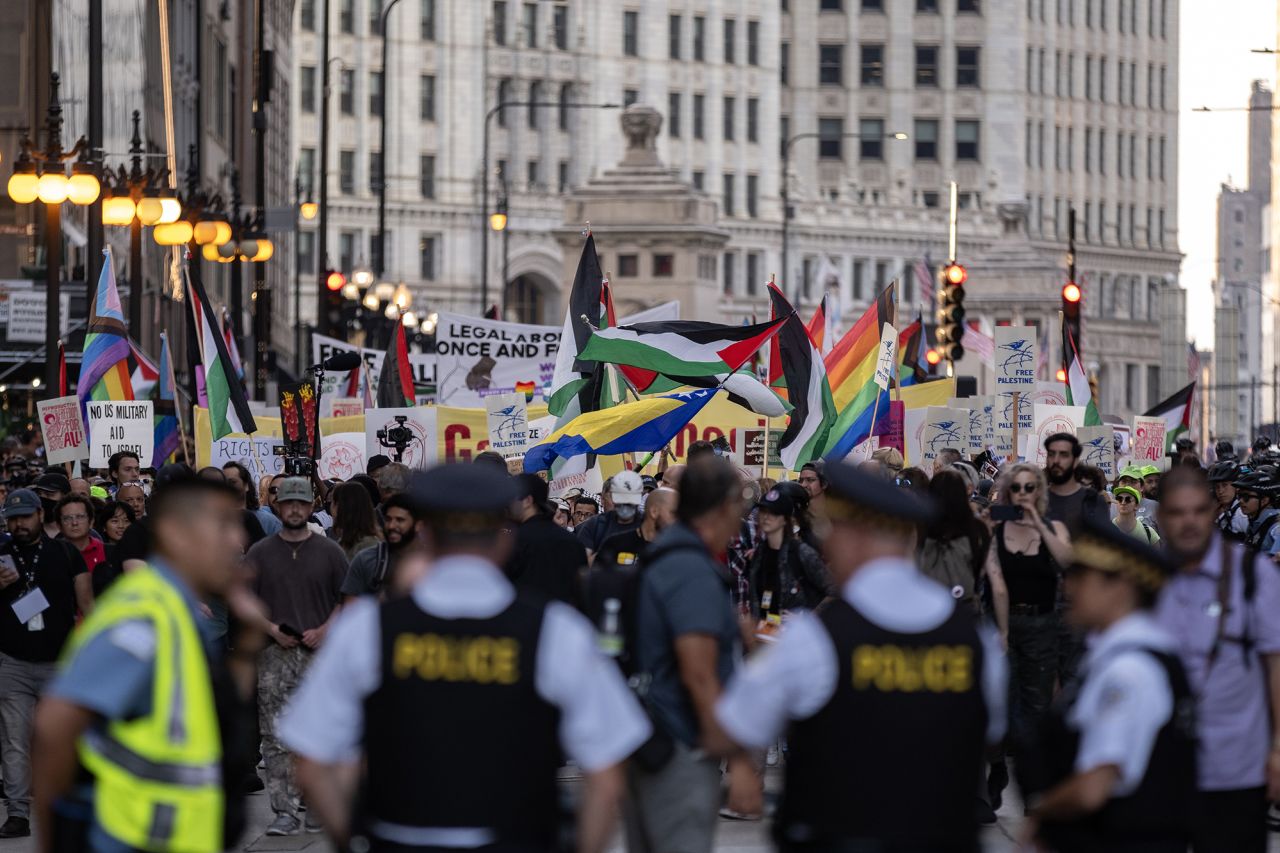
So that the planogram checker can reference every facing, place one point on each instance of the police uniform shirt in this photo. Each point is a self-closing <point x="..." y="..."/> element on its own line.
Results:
<point x="1125" y="699"/>
<point x="600" y="721"/>
<point x="796" y="677"/>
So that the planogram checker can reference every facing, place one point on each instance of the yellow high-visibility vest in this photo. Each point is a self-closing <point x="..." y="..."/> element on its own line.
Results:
<point x="157" y="779"/>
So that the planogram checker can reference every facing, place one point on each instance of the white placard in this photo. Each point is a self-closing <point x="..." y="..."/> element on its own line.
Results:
<point x="1049" y="394"/>
<point x="944" y="428"/>
<point x="477" y="358"/>
<point x="335" y="382"/>
<point x="63" y="430"/>
<point x="27" y="316"/>
<point x="341" y="455"/>
<point x="257" y="453"/>
<point x="1051" y="419"/>
<point x="888" y="356"/>
<point x="508" y="424"/>
<point x="343" y="407"/>
<point x="421" y="423"/>
<point x="1015" y="358"/>
<point x="1098" y="448"/>
<point x="116" y="425"/>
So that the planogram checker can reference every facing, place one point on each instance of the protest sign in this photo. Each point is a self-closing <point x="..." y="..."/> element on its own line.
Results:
<point x="1015" y="358"/>
<point x="1051" y="419"/>
<point x="887" y="358"/>
<point x="27" y="313"/>
<point x="1123" y="444"/>
<point x="1048" y="394"/>
<point x="64" y="436"/>
<point x="476" y="358"/>
<point x="257" y="453"/>
<point x="1148" y="441"/>
<point x="945" y="428"/>
<point x="508" y="424"/>
<point x="1003" y="420"/>
<point x="891" y="434"/>
<point x="343" y="407"/>
<point x="409" y="431"/>
<point x="116" y="425"/>
<point x="978" y="415"/>
<point x="1097" y="448"/>
<point x="299" y="418"/>
<point x="341" y="456"/>
<point x="335" y="383"/>
<point x="748" y="448"/>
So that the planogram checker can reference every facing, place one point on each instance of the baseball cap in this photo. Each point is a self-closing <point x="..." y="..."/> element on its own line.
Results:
<point x="1148" y="470"/>
<point x="626" y="488"/>
<point x="294" y="489"/>
<point x="1132" y="472"/>
<point x="21" y="502"/>
<point x="775" y="501"/>
<point x="52" y="482"/>
<point x="1131" y="491"/>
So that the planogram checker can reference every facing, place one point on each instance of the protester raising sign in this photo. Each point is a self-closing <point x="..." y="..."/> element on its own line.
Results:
<point x="64" y="438"/>
<point x="477" y="358"/>
<point x="119" y="425"/>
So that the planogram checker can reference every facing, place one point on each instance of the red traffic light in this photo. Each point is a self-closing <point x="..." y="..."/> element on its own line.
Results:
<point x="932" y="356"/>
<point x="1062" y="375"/>
<point x="1071" y="292"/>
<point x="954" y="274"/>
<point x="335" y="280"/>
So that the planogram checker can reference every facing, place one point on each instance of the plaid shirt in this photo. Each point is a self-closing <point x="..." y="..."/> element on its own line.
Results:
<point x="741" y="549"/>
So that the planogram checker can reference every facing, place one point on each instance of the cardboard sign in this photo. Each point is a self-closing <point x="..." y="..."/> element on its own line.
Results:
<point x="1051" y="419"/>
<point x="477" y="358"/>
<point x="116" y="425"/>
<point x="887" y="358"/>
<point x="978" y="417"/>
<point x="418" y="439"/>
<point x="343" y="407"/>
<point x="1148" y="441"/>
<point x="748" y="445"/>
<point x="508" y="424"/>
<point x="341" y="456"/>
<point x="423" y="367"/>
<point x="891" y="434"/>
<point x="944" y="428"/>
<point x="1097" y="448"/>
<point x="299" y="417"/>
<point x="1123" y="444"/>
<point x="1015" y="358"/>
<point x="27" y="316"/>
<point x="257" y="453"/>
<point x="1003" y="420"/>
<point x="1049" y="394"/>
<point x="64" y="436"/>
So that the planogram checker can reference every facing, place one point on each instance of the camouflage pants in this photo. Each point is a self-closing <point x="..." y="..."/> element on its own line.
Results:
<point x="279" y="672"/>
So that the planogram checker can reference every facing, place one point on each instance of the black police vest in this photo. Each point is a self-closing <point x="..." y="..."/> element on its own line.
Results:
<point x="456" y="734"/>
<point x="896" y="753"/>
<point x="1254" y="539"/>
<point x="1158" y="810"/>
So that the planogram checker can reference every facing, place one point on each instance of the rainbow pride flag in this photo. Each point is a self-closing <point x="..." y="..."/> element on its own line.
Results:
<point x="851" y="368"/>
<point x="104" y="368"/>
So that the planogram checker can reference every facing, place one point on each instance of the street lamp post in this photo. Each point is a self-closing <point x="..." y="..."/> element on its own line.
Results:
<point x="41" y="175"/>
<point x="379" y="262"/>
<point x="322" y="235"/>
<point x="786" y="192"/>
<point x="498" y="221"/>
<point x="307" y="208"/>
<point x="484" y="178"/>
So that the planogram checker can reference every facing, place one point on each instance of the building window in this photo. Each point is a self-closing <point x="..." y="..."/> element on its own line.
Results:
<point x="753" y="273"/>
<point x="307" y="87"/>
<point x="307" y="251"/>
<point x="375" y="93"/>
<point x="347" y="250"/>
<point x="503" y="96"/>
<point x="375" y="17"/>
<point x="427" y="175"/>
<point x="831" y="5"/>
<point x="728" y="273"/>
<point x="831" y="64"/>
<point x="726" y="200"/>
<point x="967" y="140"/>
<point x="562" y="111"/>
<point x="831" y="138"/>
<point x="533" y="171"/>
<point x="375" y="172"/>
<point x="753" y="42"/>
<point x="307" y="16"/>
<point x="971" y="6"/>
<point x="730" y="107"/>
<point x="929" y="7"/>
<point x="427" y="20"/>
<point x="699" y="104"/>
<point x="629" y="97"/>
<point x="871" y="139"/>
<point x="926" y="65"/>
<point x="753" y="189"/>
<point x="631" y="33"/>
<point x="500" y="23"/>
<point x="347" y="92"/>
<point x="926" y="138"/>
<point x="1131" y="378"/>
<point x="427" y="257"/>
<point x="347" y="16"/>
<point x="872" y="68"/>
<point x="784" y="63"/>
<point x="560" y="26"/>
<point x="664" y="265"/>
<point x="535" y="96"/>
<point x="699" y="39"/>
<point x="346" y="172"/>
<point x="967" y="66"/>
<point x="673" y="114"/>
<point x="307" y="169"/>
<point x="427" y="97"/>
<point x="628" y="266"/>
<point x="562" y="177"/>
<point x="753" y="119"/>
<point x="730" y="41"/>
<point x="870" y="5"/>
<point x="698" y="179"/>
<point x="1088" y="150"/>
<point x="784" y="133"/>
<point x="674" y="26"/>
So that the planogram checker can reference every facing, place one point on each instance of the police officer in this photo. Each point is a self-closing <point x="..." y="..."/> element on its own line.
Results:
<point x="1230" y="519"/>
<point x="457" y="699"/>
<point x="158" y="715"/>
<point x="1256" y="492"/>
<point x="1115" y="763"/>
<point x="886" y="689"/>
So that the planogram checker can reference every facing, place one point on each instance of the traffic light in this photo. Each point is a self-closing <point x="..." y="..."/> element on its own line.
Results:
<point x="1071" y="297"/>
<point x="330" y="321"/>
<point x="951" y="312"/>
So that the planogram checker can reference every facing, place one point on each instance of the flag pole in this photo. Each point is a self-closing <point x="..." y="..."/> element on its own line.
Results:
<point x="177" y="409"/>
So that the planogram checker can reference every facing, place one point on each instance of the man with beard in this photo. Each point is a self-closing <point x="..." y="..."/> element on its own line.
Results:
<point x="545" y="558"/>
<point x="52" y="487"/>
<point x="298" y="576"/>
<point x="627" y="492"/>
<point x="372" y="569"/>
<point x="1223" y="607"/>
<point x="1069" y="500"/>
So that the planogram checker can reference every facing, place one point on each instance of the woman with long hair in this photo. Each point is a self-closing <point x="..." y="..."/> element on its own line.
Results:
<point x="355" y="524"/>
<point x="784" y="572"/>
<point x="953" y="549"/>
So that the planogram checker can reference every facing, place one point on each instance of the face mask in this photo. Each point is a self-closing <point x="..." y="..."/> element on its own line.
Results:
<point x="626" y="512"/>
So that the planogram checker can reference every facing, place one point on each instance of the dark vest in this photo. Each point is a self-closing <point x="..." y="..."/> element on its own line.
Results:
<point x="1154" y="816"/>
<point x="896" y="754"/>
<point x="456" y="734"/>
<point x="1254" y="539"/>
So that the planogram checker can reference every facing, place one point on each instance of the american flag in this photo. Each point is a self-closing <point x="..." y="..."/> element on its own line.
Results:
<point x="928" y="278"/>
<point x="978" y="343"/>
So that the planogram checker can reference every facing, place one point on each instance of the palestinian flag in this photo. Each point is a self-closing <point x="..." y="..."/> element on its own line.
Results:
<point x="809" y="392"/>
<point x="576" y="381"/>
<point x="680" y="347"/>
<point x="395" y="383"/>
<point x="1176" y="414"/>
<point x="1078" y="391"/>
<point x="228" y="407"/>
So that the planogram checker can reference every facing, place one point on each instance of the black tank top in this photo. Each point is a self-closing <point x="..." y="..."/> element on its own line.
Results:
<point x="1031" y="578"/>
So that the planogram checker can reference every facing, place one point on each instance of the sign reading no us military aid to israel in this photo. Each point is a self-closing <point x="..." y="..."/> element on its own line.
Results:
<point x="116" y="425"/>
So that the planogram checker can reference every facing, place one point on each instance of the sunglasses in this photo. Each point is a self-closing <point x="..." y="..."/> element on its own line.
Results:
<point x="1024" y="489"/>
<point x="272" y="490"/>
<point x="1125" y="499"/>
<point x="1246" y="496"/>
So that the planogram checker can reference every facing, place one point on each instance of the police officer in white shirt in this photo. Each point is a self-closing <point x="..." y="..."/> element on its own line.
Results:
<point x="443" y="714"/>
<point x="1114" y="768"/>
<point x="887" y="694"/>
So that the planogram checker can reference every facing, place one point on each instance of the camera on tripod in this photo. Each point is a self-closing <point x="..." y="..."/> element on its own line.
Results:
<point x="396" y="438"/>
<point x="295" y="465"/>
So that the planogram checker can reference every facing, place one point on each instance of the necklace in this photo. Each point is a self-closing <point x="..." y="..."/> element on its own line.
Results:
<point x="294" y="548"/>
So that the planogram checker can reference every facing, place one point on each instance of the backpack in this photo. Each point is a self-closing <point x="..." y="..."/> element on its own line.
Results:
<point x="380" y="569"/>
<point x="950" y="562"/>
<point x="610" y="590"/>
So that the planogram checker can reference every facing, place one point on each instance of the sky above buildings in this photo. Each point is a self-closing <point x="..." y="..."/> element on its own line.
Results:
<point x="1216" y="70"/>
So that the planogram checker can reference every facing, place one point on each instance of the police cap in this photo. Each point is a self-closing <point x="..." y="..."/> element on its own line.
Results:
<point x="859" y="498"/>
<point x="1259" y="481"/>
<point x="1223" y="472"/>
<point x="1102" y="546"/>
<point x="465" y="498"/>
